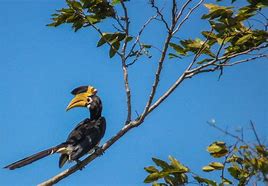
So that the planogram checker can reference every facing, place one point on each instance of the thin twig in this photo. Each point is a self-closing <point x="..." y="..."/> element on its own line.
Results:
<point x="134" y="61"/>
<point x="119" y="23"/>
<point x="184" y="6"/>
<point x="243" y="60"/>
<point x="255" y="133"/>
<point x="188" y="15"/>
<point x="224" y="131"/>
<point x="139" y="34"/>
<point x="152" y="2"/>
<point x="199" y="52"/>
<point x="227" y="57"/>
<point x="226" y="158"/>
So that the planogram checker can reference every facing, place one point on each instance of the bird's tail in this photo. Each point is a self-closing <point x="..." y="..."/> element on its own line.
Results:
<point x="34" y="157"/>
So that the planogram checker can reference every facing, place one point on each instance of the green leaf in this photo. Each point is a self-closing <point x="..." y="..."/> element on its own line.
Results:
<point x="114" y="49"/>
<point x="151" y="169"/>
<point x="211" y="6"/>
<point x="179" y="49"/>
<point x="243" y="39"/>
<point x="105" y="38"/>
<point x="177" y="165"/>
<point x="170" y="180"/>
<point x="217" y="149"/>
<point x="129" y="38"/>
<point x="216" y="11"/>
<point x="76" y="5"/>
<point x="225" y="181"/>
<point x="174" y="162"/>
<point x="114" y="2"/>
<point x="78" y="24"/>
<point x="121" y="36"/>
<point x="217" y="165"/>
<point x="146" y="45"/>
<point x="209" y="35"/>
<point x="171" y="55"/>
<point x="204" y="180"/>
<point x="92" y="19"/>
<point x="159" y="184"/>
<point x="234" y="171"/>
<point x="71" y="19"/>
<point x="235" y="158"/>
<point x="220" y="41"/>
<point x="151" y="178"/>
<point x="54" y="24"/>
<point x="208" y="168"/>
<point x="161" y="163"/>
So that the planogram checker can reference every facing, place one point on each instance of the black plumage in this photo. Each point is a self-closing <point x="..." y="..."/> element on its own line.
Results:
<point x="83" y="138"/>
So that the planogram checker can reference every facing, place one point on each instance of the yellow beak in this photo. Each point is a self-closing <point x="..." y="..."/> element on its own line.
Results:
<point x="80" y="100"/>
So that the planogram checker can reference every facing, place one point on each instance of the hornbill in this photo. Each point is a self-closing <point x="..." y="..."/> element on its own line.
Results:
<point x="84" y="138"/>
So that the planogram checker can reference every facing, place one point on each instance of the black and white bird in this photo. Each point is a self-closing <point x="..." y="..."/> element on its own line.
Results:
<point x="83" y="139"/>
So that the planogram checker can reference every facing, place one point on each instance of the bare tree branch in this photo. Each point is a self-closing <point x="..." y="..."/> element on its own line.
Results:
<point x="200" y="69"/>
<point x="227" y="57"/>
<point x="161" y="60"/>
<point x="226" y="132"/>
<point x="119" y="22"/>
<point x="124" y="67"/>
<point x="157" y="76"/>
<point x="152" y="2"/>
<point x="178" y="16"/>
<point x="139" y="34"/>
<point x="90" y="158"/>
<point x="243" y="60"/>
<point x="255" y="133"/>
<point x="167" y="93"/>
<point x="188" y="14"/>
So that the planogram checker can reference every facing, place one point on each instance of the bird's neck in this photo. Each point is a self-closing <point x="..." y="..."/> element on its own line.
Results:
<point x="95" y="114"/>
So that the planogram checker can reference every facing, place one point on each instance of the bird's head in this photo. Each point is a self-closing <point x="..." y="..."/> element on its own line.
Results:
<point x="84" y="96"/>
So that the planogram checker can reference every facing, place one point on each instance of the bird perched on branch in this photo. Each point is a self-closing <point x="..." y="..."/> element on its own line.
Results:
<point x="83" y="139"/>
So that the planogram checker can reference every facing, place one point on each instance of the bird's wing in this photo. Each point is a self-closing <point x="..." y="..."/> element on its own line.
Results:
<point x="84" y="137"/>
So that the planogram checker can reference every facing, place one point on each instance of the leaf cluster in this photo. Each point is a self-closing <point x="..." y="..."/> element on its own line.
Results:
<point x="114" y="40"/>
<point x="83" y="12"/>
<point x="228" y="33"/>
<point x="248" y="161"/>
<point x="242" y="162"/>
<point x="172" y="173"/>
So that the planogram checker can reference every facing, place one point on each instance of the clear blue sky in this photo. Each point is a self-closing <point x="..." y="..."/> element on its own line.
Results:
<point x="40" y="66"/>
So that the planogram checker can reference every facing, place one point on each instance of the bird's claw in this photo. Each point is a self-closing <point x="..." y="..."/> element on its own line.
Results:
<point x="79" y="164"/>
<point x="99" y="151"/>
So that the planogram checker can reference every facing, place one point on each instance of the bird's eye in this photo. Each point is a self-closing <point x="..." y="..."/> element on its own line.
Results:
<point x="89" y="99"/>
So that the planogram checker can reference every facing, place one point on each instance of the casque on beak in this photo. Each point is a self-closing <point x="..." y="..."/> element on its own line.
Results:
<point x="82" y="99"/>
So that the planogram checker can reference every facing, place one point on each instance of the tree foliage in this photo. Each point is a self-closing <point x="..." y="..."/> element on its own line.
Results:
<point x="238" y="164"/>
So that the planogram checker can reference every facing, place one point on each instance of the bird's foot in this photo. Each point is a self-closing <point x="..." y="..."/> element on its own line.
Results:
<point x="79" y="162"/>
<point x="99" y="151"/>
